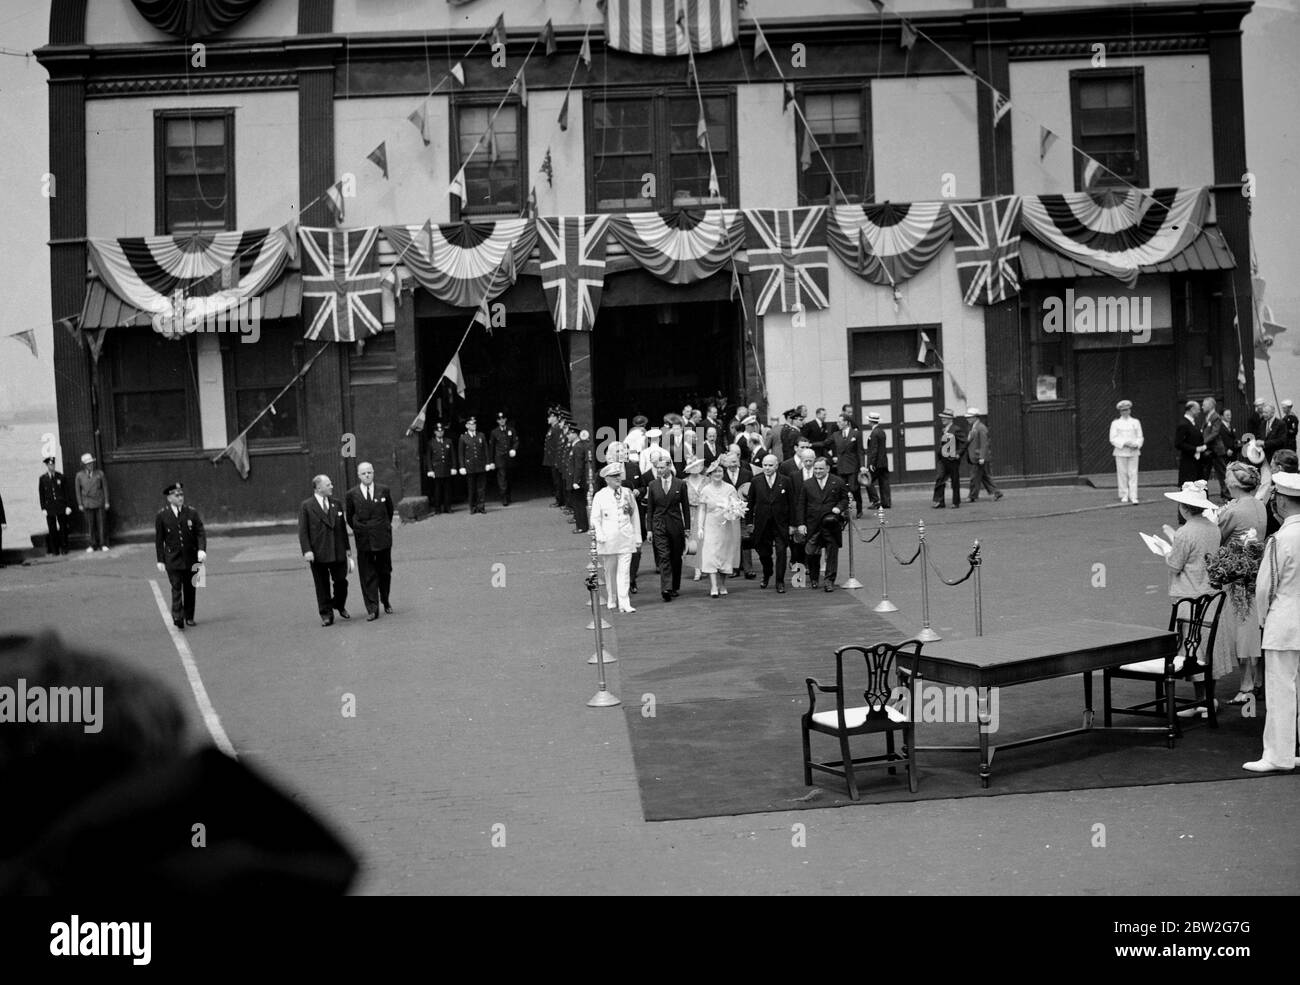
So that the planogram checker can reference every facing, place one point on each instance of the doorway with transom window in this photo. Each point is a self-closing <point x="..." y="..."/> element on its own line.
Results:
<point x="891" y="374"/>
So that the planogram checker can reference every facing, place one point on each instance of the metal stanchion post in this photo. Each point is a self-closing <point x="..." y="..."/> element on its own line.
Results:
<point x="926" y="635"/>
<point x="884" y="605"/>
<point x="979" y="597"/>
<point x="852" y="583"/>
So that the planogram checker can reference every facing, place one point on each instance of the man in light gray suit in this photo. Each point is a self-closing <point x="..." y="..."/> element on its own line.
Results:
<point x="979" y="451"/>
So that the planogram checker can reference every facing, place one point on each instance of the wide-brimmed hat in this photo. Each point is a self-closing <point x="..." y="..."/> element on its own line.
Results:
<point x="695" y="466"/>
<point x="714" y="466"/>
<point x="1287" y="483"/>
<point x="87" y="458"/>
<point x="1192" y="494"/>
<point x="973" y="412"/>
<point x="612" y="469"/>
<point x="946" y="412"/>
<point x="1253" y="451"/>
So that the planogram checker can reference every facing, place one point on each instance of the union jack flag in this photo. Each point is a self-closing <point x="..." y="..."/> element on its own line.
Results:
<point x="573" y="268"/>
<point x="986" y="236"/>
<point x="788" y="246"/>
<point x="341" y="299"/>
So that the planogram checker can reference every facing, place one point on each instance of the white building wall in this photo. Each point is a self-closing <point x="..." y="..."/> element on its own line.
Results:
<point x="118" y="22"/>
<point x="765" y="138"/>
<point x="925" y="138"/>
<point x="418" y="176"/>
<point x="1177" y="91"/>
<point x="566" y="193"/>
<point x="120" y="193"/>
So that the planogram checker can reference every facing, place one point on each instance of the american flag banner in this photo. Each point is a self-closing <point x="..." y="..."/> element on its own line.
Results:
<point x="341" y="300"/>
<point x="670" y="27"/>
<point x="573" y="268"/>
<point x="788" y="258"/>
<point x="986" y="237"/>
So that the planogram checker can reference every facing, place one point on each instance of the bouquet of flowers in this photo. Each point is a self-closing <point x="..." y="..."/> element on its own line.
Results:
<point x="1234" y="566"/>
<point x="734" y="508"/>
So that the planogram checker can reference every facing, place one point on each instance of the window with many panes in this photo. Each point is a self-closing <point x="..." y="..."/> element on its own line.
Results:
<point x="194" y="170"/>
<point x="1108" y="113"/>
<point x="645" y="152"/>
<point x="151" y="390"/>
<point x="491" y="151"/>
<point x="255" y="374"/>
<point x="838" y="122"/>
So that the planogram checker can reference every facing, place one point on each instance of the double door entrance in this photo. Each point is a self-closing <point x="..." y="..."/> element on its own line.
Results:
<point x="908" y="405"/>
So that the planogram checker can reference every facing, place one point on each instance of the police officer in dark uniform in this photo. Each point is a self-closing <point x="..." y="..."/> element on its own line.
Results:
<point x="553" y="449"/>
<point x="502" y="447"/>
<point x="53" y="493"/>
<point x="179" y="544"/>
<point x="442" y="465"/>
<point x="472" y="452"/>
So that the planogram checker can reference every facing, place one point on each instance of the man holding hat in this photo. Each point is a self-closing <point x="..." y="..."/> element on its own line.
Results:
<point x="820" y="507"/>
<point x="472" y="453"/>
<point x="92" y="500"/>
<point x="878" y="462"/>
<point x="1277" y="599"/>
<point x="370" y="515"/>
<point x="1126" y="440"/>
<point x="949" y="460"/>
<point x="179" y="546"/>
<point x="53" y="497"/>
<point x="979" y="450"/>
<point x="668" y="507"/>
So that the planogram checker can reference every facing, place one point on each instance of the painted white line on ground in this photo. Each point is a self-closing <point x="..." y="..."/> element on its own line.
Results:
<point x="209" y="713"/>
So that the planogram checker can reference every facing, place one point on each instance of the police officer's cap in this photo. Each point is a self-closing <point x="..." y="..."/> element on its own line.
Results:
<point x="49" y="460"/>
<point x="173" y="487"/>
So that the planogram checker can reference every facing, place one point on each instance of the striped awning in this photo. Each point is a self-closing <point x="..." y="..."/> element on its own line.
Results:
<point x="104" y="309"/>
<point x="1207" y="252"/>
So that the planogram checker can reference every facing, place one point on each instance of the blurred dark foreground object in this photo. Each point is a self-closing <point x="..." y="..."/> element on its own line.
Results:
<point x="117" y="810"/>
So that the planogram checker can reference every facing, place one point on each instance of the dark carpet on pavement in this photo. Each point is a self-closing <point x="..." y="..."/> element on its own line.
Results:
<point x="725" y="681"/>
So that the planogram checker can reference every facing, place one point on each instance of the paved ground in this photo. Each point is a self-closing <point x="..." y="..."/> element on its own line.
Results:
<point x="471" y="721"/>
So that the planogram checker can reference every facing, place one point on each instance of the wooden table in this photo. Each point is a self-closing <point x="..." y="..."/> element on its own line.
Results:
<point x="1061" y="649"/>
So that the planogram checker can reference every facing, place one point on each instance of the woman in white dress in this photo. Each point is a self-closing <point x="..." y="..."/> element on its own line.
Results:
<point x="695" y="483"/>
<point x="617" y="523"/>
<point x="720" y="544"/>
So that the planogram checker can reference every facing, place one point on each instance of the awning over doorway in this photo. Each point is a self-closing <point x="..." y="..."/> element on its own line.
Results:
<point x="104" y="309"/>
<point x="1207" y="252"/>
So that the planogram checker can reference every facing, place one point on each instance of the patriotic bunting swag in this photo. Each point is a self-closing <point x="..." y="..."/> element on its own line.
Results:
<point x="1116" y="232"/>
<point x="573" y="268"/>
<point x="186" y="279"/>
<point x="458" y="263"/>
<point x="670" y="27"/>
<point x="788" y="258"/>
<point x="987" y="240"/>
<point x="681" y="247"/>
<point x="888" y="244"/>
<point x="341" y="300"/>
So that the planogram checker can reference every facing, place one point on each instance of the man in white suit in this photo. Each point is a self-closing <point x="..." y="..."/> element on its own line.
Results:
<point x="617" y="522"/>
<point x="1277" y="599"/>
<point x="1126" y="440"/>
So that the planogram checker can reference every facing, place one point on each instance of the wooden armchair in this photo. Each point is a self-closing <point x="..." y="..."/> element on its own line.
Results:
<point x="1196" y="620"/>
<point x="877" y="715"/>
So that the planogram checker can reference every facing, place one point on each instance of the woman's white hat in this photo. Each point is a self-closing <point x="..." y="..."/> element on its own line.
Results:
<point x="1192" y="494"/>
<point x="695" y="466"/>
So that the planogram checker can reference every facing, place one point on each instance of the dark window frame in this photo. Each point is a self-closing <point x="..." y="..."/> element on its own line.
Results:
<point x="1141" y="179"/>
<point x="161" y="119"/>
<point x="231" y="344"/>
<point x="114" y="447"/>
<point x="470" y="212"/>
<point x="1033" y="338"/>
<point x="661" y="144"/>
<point x="863" y="91"/>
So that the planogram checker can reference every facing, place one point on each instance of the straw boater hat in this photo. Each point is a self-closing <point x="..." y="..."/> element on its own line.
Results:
<point x="973" y="412"/>
<point x="1192" y="494"/>
<point x="612" y="469"/>
<point x="946" y="413"/>
<point x="873" y="418"/>
<point x="695" y="466"/>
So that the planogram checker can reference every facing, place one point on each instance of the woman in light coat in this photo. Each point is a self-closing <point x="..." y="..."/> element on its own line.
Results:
<point x="617" y="523"/>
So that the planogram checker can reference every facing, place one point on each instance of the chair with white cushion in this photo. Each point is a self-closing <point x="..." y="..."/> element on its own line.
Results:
<point x="1196" y="620"/>
<point x="876" y="714"/>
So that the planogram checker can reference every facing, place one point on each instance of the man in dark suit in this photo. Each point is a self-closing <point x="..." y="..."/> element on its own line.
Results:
<point x="553" y="449"/>
<point x="52" y="491"/>
<point x="793" y="466"/>
<point x="818" y="432"/>
<point x="819" y="511"/>
<point x="323" y="537"/>
<point x="878" y="462"/>
<point x="442" y="465"/>
<point x="1188" y="441"/>
<point x="790" y="433"/>
<point x="1292" y="424"/>
<point x="771" y="503"/>
<point x="370" y="515"/>
<point x="475" y="463"/>
<point x="1275" y="436"/>
<point x="950" y="442"/>
<point x="670" y="520"/>
<point x="179" y="546"/>
<point x="579" y="463"/>
<point x="1255" y="419"/>
<point x="845" y="452"/>
<point x="711" y="447"/>
<point x="502" y="446"/>
<point x="1214" y="462"/>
